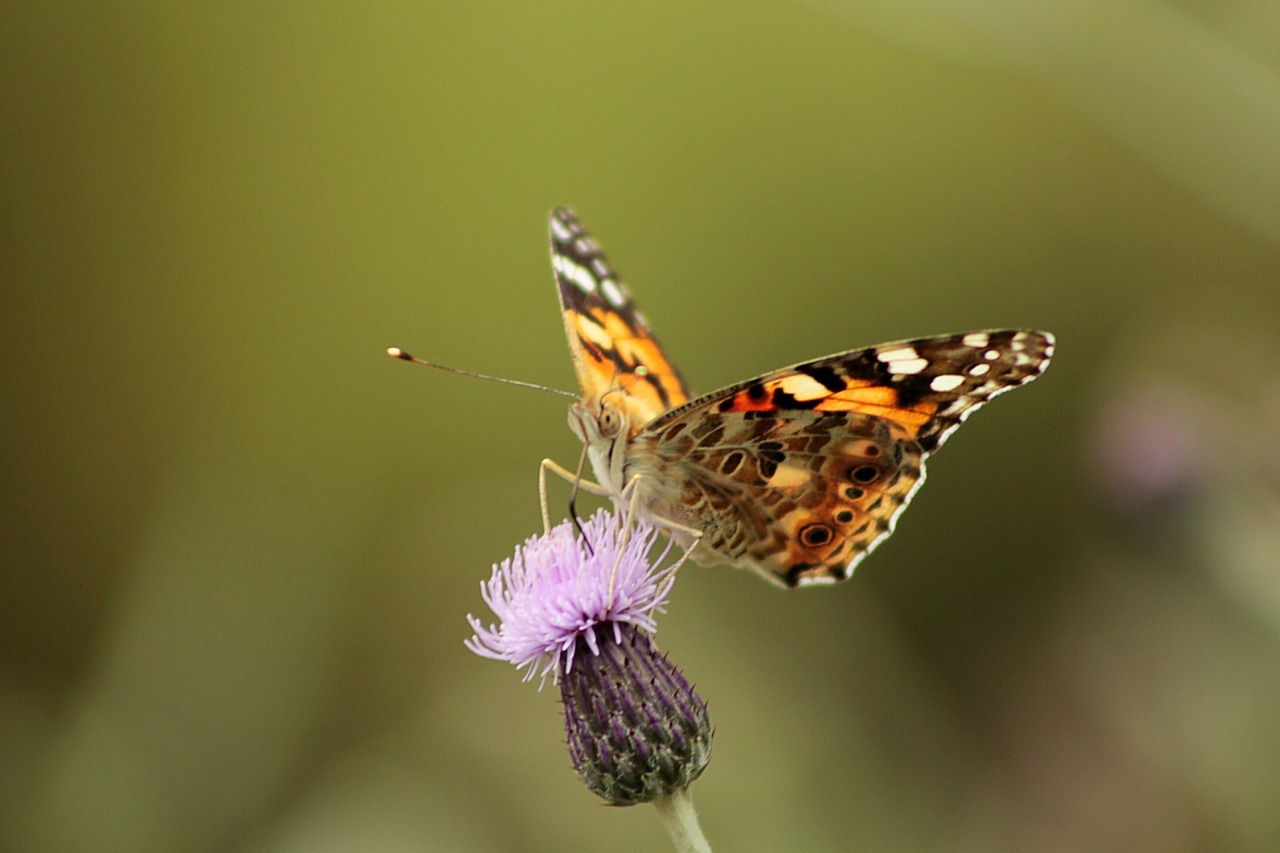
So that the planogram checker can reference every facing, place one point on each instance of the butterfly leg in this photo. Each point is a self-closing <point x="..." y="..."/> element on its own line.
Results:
<point x="575" y="479"/>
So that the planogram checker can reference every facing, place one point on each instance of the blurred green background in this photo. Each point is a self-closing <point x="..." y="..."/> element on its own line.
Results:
<point x="240" y="543"/>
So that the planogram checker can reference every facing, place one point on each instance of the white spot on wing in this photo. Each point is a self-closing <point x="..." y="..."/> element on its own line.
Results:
<point x="979" y="369"/>
<point x="559" y="230"/>
<point x="612" y="293"/>
<point x="899" y="354"/>
<point x="977" y="340"/>
<point x="908" y="366"/>
<point x="946" y="382"/>
<point x="579" y="275"/>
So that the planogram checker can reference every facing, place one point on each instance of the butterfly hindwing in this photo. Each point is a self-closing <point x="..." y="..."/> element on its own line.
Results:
<point x="797" y="495"/>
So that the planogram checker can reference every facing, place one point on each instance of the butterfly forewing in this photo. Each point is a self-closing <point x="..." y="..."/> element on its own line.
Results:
<point x="611" y="345"/>
<point x="927" y="385"/>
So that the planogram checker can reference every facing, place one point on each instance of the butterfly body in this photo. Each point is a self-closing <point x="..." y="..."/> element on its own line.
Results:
<point x="797" y="474"/>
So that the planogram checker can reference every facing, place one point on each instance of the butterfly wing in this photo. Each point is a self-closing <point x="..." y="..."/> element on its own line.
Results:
<point x="799" y="474"/>
<point x="610" y="341"/>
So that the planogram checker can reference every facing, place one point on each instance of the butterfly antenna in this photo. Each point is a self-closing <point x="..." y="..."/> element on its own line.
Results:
<point x="396" y="352"/>
<point x="573" y="500"/>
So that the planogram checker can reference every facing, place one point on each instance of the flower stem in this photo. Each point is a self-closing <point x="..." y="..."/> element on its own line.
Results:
<point x="681" y="821"/>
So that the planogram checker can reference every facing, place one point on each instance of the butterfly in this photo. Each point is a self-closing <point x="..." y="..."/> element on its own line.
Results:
<point x="797" y="474"/>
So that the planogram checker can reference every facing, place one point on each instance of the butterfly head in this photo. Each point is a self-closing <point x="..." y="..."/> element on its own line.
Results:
<point x="603" y="425"/>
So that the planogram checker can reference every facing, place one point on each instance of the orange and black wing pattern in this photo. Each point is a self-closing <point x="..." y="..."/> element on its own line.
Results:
<point x="612" y="347"/>
<point x="926" y="386"/>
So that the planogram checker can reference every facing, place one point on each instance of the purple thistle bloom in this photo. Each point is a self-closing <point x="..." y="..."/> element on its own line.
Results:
<point x="556" y="590"/>
<point x="584" y="614"/>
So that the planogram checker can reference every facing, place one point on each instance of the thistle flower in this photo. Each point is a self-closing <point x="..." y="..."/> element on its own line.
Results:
<point x="558" y="590"/>
<point x="581" y="611"/>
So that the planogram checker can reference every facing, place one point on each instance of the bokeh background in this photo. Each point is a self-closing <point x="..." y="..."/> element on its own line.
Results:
<point x="240" y="542"/>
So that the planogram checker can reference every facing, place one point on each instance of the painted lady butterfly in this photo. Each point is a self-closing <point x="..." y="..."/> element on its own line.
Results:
<point x="797" y="474"/>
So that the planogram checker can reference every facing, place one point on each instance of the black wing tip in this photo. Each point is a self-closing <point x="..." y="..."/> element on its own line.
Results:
<point x="564" y="224"/>
<point x="565" y="230"/>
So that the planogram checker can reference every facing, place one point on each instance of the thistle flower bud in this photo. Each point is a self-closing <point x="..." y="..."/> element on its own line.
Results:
<point x="637" y="730"/>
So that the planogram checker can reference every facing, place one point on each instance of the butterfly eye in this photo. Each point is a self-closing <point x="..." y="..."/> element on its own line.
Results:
<point x="610" y="422"/>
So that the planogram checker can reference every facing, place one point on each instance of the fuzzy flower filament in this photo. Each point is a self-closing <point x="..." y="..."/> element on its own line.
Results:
<point x="556" y="591"/>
